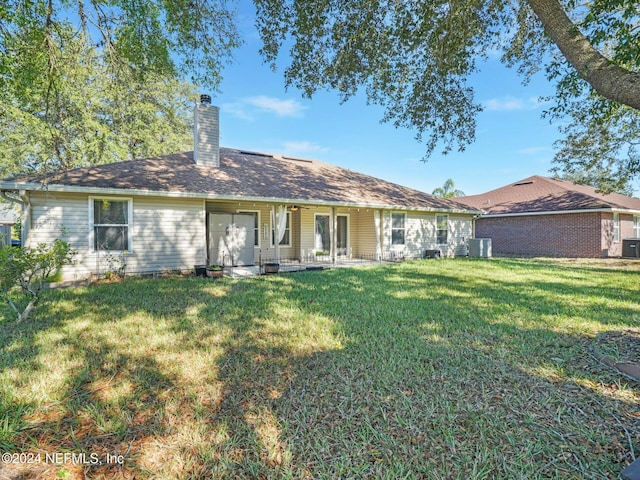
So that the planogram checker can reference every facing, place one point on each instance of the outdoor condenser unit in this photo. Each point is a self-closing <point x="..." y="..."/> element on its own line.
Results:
<point x="631" y="248"/>
<point x="480" y="247"/>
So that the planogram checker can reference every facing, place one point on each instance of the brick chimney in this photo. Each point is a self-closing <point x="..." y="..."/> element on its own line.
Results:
<point x="206" y="134"/>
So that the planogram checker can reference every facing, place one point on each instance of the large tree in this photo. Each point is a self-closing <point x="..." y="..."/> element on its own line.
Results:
<point x="414" y="57"/>
<point x="90" y="115"/>
<point x="93" y="82"/>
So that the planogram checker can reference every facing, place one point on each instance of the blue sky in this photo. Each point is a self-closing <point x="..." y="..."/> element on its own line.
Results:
<point x="258" y="113"/>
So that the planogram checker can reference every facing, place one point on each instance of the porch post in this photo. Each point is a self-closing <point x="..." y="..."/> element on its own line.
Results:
<point x="276" y="233"/>
<point x="333" y="230"/>
<point x="380" y="234"/>
<point x="376" y="229"/>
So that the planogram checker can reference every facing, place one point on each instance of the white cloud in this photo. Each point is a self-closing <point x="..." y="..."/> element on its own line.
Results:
<point x="249" y="108"/>
<point x="237" y="109"/>
<point x="533" y="150"/>
<point x="303" y="148"/>
<point x="282" y="108"/>
<point x="509" y="103"/>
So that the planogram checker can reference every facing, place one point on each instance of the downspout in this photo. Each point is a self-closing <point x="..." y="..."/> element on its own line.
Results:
<point x="5" y="194"/>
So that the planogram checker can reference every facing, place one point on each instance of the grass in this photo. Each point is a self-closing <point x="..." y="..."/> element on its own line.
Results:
<point x="452" y="369"/>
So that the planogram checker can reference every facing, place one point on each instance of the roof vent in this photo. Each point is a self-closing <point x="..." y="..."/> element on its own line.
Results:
<point x="255" y="154"/>
<point x="294" y="159"/>
<point x="205" y="99"/>
<point x="523" y="183"/>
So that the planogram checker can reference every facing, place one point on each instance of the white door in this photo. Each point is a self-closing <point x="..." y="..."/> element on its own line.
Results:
<point x="231" y="239"/>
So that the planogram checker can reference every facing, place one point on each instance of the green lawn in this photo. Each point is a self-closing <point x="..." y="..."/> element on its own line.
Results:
<point x="444" y="369"/>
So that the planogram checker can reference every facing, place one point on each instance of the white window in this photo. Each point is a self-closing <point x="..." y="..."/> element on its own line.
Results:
<point x="110" y="222"/>
<point x="398" y="228"/>
<point x="636" y="226"/>
<point x="616" y="227"/>
<point x="256" y="225"/>
<point x="286" y="239"/>
<point x="442" y="229"/>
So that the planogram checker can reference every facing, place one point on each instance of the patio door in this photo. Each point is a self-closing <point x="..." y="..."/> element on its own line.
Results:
<point x="231" y="239"/>
<point x="323" y="235"/>
<point x="322" y="242"/>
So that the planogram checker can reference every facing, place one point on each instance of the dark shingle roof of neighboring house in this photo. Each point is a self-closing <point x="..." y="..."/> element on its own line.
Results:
<point x="542" y="194"/>
<point x="242" y="175"/>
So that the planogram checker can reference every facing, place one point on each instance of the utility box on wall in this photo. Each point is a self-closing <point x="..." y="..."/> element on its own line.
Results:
<point x="480" y="247"/>
<point x="631" y="248"/>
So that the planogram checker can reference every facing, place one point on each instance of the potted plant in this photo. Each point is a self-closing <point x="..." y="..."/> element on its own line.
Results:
<point x="271" y="267"/>
<point x="214" y="271"/>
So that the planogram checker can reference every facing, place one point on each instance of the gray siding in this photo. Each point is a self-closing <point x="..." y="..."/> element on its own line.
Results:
<point x="421" y="234"/>
<point x="166" y="233"/>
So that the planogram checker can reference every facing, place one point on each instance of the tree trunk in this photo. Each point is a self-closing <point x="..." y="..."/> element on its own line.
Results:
<point x="25" y="313"/>
<point x="608" y="79"/>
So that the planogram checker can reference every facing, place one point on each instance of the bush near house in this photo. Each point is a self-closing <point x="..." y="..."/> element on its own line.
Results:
<point x="463" y="368"/>
<point x="24" y="271"/>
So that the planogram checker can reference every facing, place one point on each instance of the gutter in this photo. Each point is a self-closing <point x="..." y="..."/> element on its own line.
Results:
<point x="189" y="195"/>
<point x="562" y="212"/>
<point x="22" y="201"/>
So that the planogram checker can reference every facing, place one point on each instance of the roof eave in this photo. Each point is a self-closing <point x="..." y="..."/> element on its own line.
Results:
<point x="561" y="212"/>
<point x="24" y="186"/>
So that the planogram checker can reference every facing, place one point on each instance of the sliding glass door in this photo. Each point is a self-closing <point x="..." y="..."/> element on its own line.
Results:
<point x="323" y="235"/>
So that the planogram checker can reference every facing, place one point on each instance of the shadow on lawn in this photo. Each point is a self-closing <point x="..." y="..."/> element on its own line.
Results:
<point x="423" y="373"/>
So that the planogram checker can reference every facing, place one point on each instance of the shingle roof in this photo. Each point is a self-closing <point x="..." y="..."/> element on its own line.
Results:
<point x="244" y="175"/>
<point x="542" y="194"/>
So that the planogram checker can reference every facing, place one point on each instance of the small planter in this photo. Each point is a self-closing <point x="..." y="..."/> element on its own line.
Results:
<point x="200" y="270"/>
<point x="215" y="271"/>
<point x="270" y="268"/>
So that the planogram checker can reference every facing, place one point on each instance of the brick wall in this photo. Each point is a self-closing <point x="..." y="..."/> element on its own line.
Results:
<point x="558" y="235"/>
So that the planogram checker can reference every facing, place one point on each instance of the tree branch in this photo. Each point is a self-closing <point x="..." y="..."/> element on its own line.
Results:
<point x="608" y="79"/>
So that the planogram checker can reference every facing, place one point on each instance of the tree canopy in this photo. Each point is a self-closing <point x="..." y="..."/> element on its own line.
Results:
<point x="95" y="82"/>
<point x="168" y="38"/>
<point x="415" y="58"/>
<point x="92" y="115"/>
<point x="448" y="190"/>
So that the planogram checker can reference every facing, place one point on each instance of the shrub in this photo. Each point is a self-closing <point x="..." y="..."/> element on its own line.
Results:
<point x="26" y="270"/>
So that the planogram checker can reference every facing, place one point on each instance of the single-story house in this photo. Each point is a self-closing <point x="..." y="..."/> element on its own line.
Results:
<point x="233" y="207"/>
<point x="541" y="216"/>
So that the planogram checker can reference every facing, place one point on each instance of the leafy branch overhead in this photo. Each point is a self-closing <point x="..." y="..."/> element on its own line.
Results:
<point x="415" y="57"/>
<point x="154" y="36"/>
<point x="94" y="82"/>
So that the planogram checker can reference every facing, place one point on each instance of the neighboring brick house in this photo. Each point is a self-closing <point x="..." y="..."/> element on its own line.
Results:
<point x="541" y="216"/>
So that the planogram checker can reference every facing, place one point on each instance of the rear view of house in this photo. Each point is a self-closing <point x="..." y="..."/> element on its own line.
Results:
<point x="231" y="207"/>
<point x="541" y="216"/>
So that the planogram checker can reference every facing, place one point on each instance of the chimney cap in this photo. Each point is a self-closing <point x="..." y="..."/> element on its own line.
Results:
<point x="205" y="99"/>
